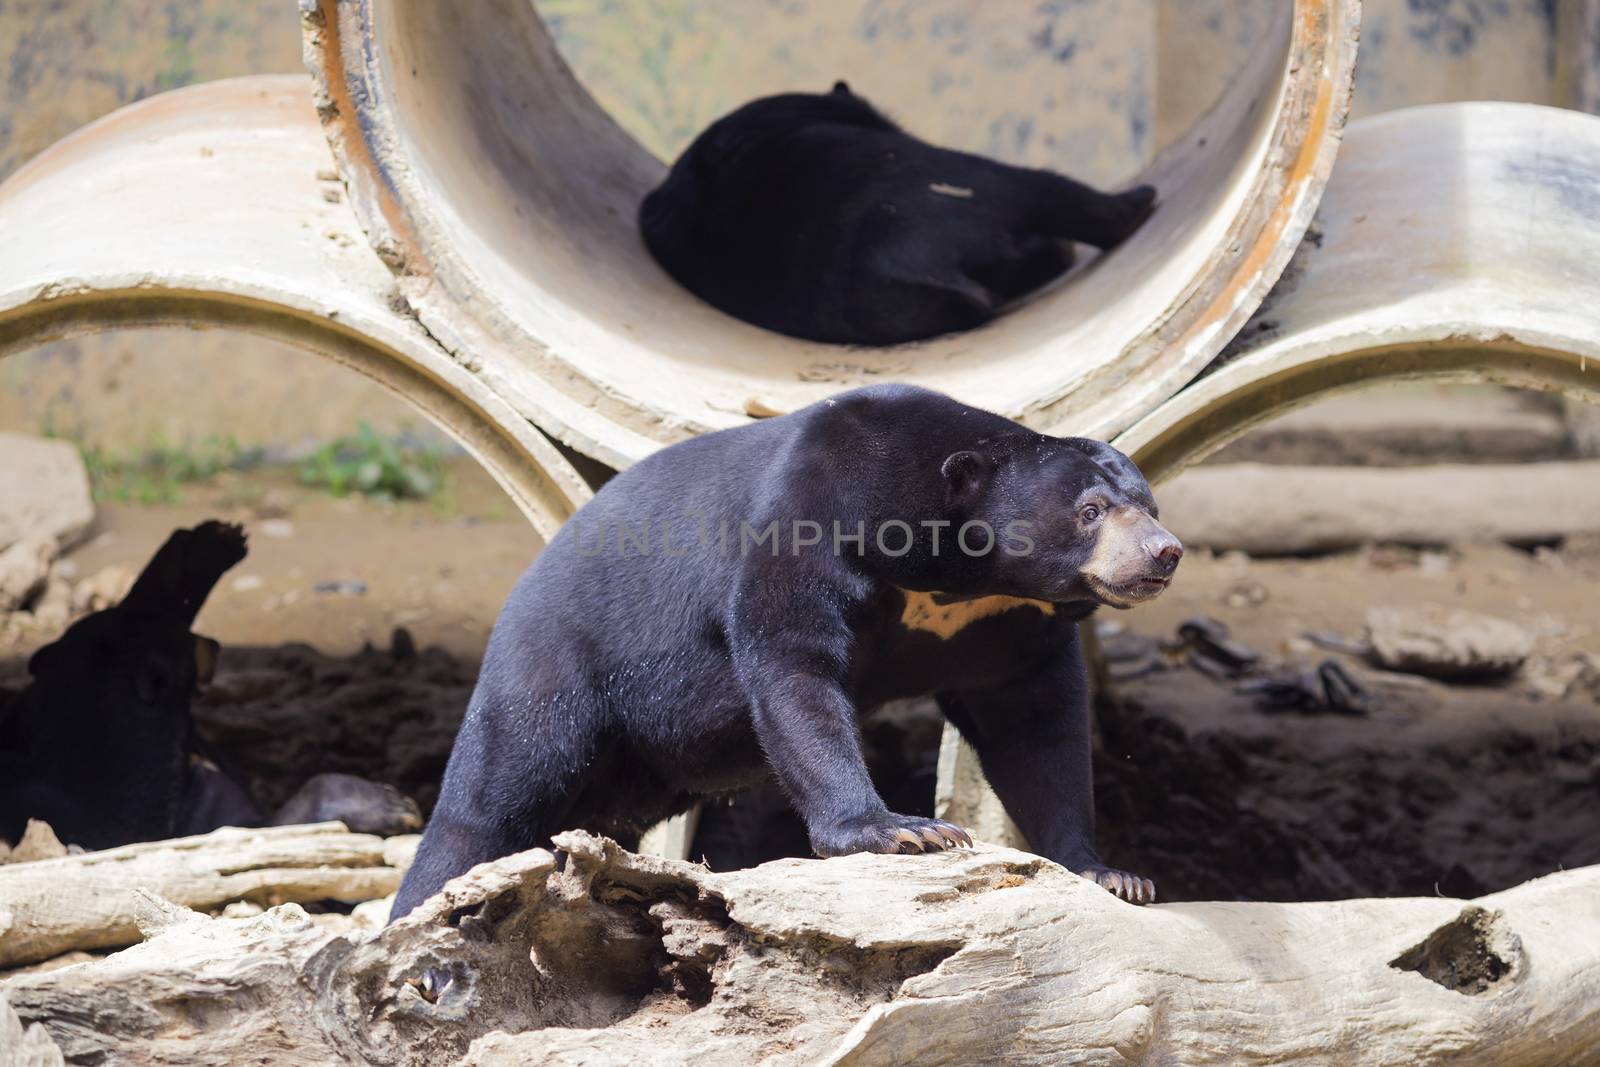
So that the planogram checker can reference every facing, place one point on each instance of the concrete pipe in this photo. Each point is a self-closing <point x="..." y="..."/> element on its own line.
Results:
<point x="1456" y="242"/>
<point x="504" y="199"/>
<point x="218" y="205"/>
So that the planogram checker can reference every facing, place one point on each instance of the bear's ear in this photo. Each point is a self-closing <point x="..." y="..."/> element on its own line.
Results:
<point x="841" y="86"/>
<point x="965" y="473"/>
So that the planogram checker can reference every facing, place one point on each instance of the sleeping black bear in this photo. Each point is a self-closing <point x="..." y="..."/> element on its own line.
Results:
<point x="722" y="611"/>
<point x="815" y="216"/>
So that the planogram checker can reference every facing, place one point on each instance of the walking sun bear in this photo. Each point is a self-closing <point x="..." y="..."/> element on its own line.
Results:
<point x="815" y="216"/>
<point x="724" y="609"/>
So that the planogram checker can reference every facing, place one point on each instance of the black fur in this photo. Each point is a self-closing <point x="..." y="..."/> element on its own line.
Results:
<point x="815" y="216"/>
<point x="102" y="747"/>
<point x="622" y="684"/>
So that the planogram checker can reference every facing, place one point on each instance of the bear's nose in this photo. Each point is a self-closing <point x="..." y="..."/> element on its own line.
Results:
<point x="1164" y="551"/>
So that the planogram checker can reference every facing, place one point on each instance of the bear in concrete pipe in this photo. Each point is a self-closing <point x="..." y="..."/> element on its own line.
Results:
<point x="726" y="608"/>
<point x="813" y="215"/>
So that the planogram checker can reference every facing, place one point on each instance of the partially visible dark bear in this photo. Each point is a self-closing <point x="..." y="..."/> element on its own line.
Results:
<point x="102" y="746"/>
<point x="722" y="610"/>
<point x="815" y="216"/>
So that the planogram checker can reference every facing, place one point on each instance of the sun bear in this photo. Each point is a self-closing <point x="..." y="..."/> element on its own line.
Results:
<point x="815" y="216"/>
<point x="724" y="609"/>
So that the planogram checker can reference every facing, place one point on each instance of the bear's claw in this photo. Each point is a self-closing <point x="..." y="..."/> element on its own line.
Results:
<point x="887" y="832"/>
<point x="1129" y="887"/>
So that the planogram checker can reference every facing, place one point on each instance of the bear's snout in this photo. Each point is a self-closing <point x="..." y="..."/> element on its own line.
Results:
<point x="1164" y="551"/>
<point x="1133" y="560"/>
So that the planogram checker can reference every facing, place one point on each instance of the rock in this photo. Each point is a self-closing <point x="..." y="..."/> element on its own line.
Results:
<point x="1574" y="676"/>
<point x="365" y="807"/>
<point x="1211" y="645"/>
<point x="1446" y="643"/>
<point x="39" y="842"/>
<point x="24" y="568"/>
<point x="54" y="608"/>
<point x="274" y="504"/>
<point x="1246" y="593"/>
<point x="1329" y="686"/>
<point x="341" y="587"/>
<point x="102" y="589"/>
<point x="45" y="492"/>
<point x="1333" y="642"/>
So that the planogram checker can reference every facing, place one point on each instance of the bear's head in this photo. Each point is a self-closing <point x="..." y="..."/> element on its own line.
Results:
<point x="1074" y="520"/>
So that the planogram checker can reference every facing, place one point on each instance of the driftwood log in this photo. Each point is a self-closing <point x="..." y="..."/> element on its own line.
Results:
<point x="25" y="1047"/>
<point x="89" y="901"/>
<point x="986" y="956"/>
<point x="1269" y="510"/>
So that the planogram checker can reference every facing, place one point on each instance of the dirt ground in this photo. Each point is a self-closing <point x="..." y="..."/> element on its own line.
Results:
<point x="1439" y="788"/>
<point x="440" y="568"/>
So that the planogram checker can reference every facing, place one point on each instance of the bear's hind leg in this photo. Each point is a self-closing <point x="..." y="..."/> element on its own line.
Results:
<point x="512" y="781"/>
<point x="1070" y="209"/>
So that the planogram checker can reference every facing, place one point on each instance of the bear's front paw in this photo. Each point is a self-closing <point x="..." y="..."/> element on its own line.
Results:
<point x="1130" y="887"/>
<point x="887" y="832"/>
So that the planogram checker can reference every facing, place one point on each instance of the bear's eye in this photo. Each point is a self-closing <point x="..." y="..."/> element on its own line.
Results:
<point x="1090" y="513"/>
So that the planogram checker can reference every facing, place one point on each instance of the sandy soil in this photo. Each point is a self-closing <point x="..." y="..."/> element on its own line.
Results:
<point x="1453" y="789"/>
<point x="440" y="568"/>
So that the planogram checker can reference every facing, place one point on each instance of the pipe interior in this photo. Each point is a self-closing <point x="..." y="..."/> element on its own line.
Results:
<point x="528" y="199"/>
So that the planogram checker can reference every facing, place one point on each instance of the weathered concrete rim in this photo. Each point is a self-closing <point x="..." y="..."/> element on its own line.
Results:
<point x="516" y="455"/>
<point x="136" y="221"/>
<point x="616" y="390"/>
<point x="1255" y="389"/>
<point x="1485" y="278"/>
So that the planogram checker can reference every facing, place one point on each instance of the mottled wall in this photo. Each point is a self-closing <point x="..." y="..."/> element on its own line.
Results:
<point x="1094" y="87"/>
<point x="1065" y="83"/>
<point x="1430" y="51"/>
<point x="67" y="62"/>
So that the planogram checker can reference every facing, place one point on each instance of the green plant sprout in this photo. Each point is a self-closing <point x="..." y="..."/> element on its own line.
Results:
<point x="375" y="466"/>
<point x="155" y="474"/>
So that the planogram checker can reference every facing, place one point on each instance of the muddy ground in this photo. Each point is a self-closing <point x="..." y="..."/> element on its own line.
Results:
<point x="1437" y="789"/>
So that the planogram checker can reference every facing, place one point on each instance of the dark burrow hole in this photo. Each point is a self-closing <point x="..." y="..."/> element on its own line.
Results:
<point x="1467" y="954"/>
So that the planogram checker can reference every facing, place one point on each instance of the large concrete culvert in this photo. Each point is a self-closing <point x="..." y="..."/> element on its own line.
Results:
<point x="1456" y="243"/>
<point x="218" y="206"/>
<point x="504" y="197"/>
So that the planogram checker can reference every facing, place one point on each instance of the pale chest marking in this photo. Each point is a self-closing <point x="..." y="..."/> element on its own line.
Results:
<point x="924" y="612"/>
